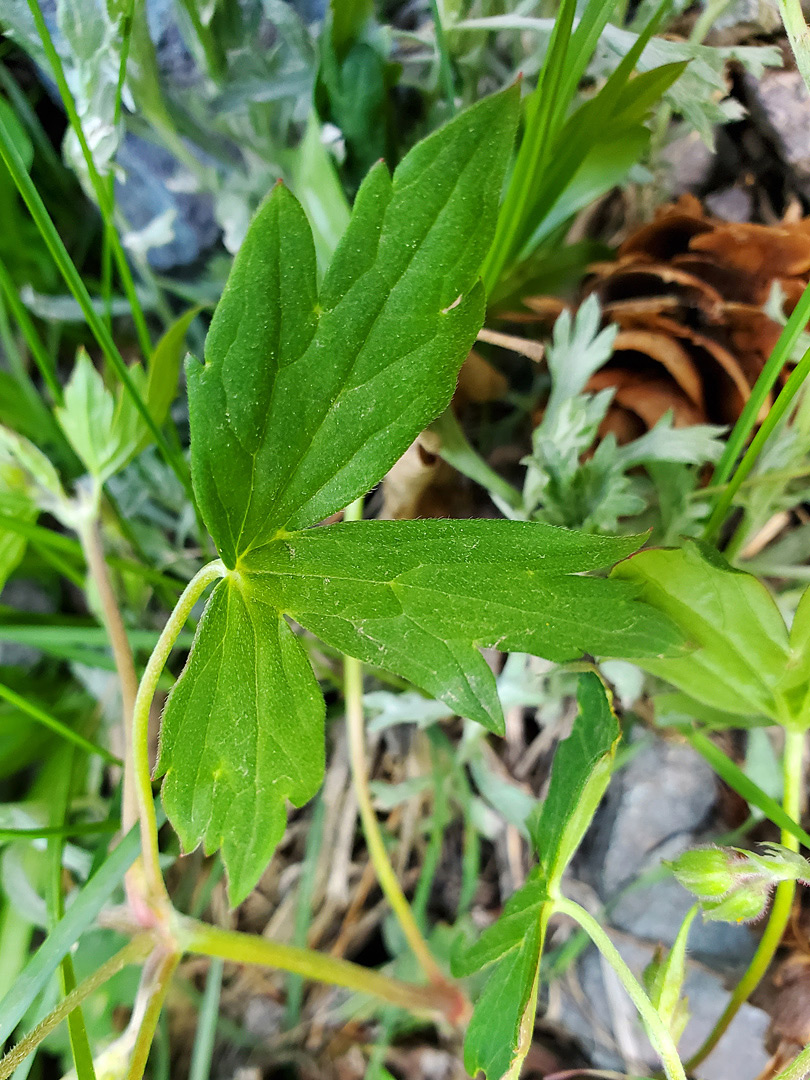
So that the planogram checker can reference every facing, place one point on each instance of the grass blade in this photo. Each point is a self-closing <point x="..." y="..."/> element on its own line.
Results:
<point x="48" y="721"/>
<point x="103" y="192"/>
<point x="544" y="104"/>
<point x="60" y="803"/>
<point x="73" y="279"/>
<point x="303" y="907"/>
<point x="791" y="333"/>
<point x="38" y="351"/>
<point x="43" y="537"/>
<point x="83" y="828"/>
<point x="445" y="63"/>
<point x="777" y="413"/>
<point x="205" y="1037"/>
<point x="80" y="916"/>
<point x="736" y="779"/>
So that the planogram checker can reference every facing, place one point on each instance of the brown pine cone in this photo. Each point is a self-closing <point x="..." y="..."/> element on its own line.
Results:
<point x="687" y="291"/>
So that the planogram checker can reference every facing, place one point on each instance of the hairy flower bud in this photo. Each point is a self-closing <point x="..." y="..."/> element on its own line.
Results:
<point x="743" y="904"/>
<point x="709" y="873"/>
<point x="732" y="884"/>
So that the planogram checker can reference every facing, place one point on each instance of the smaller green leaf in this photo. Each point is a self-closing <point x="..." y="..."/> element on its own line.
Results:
<point x="499" y="1033"/>
<point x="242" y="733"/>
<point x="15" y="503"/>
<point x="795" y="684"/>
<point x="27" y="468"/>
<point x="164" y="366"/>
<point x="496" y="1041"/>
<point x="741" y="641"/>
<point x="581" y="773"/>
<point x="105" y="430"/>
<point x="664" y="978"/>
<point x="577" y="350"/>
<point x="520" y="914"/>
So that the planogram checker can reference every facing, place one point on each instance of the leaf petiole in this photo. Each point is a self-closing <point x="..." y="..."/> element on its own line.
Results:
<point x="656" y="1029"/>
<point x="202" y="939"/>
<point x="155" y="980"/>
<point x="142" y="777"/>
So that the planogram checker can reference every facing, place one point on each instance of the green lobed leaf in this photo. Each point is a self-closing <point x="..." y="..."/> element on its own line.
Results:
<point x="500" y="1030"/>
<point x="242" y="732"/>
<point x="320" y="192"/>
<point x="581" y="773"/>
<point x="417" y="597"/>
<point x="741" y="641"/>
<point x="499" y="1033"/>
<point x="26" y="469"/>
<point x="305" y="401"/>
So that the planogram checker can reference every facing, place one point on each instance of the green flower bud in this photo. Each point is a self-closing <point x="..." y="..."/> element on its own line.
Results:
<point x="744" y="904"/>
<point x="709" y="873"/>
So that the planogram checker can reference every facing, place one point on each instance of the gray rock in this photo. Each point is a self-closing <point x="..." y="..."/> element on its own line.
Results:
<point x="688" y="162"/>
<point x="264" y="1018"/>
<point x="732" y="203"/>
<point x="760" y="15"/>
<point x="149" y="190"/>
<point x="657" y="807"/>
<point x="779" y="101"/>
<point x="667" y="791"/>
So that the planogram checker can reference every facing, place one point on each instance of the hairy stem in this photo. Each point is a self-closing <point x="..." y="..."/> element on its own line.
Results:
<point x="386" y="876"/>
<point x="205" y="940"/>
<point x="92" y="545"/>
<point x="157" y="975"/>
<point x="798" y="1068"/>
<point x="140" y="724"/>
<point x="779" y="917"/>
<point x="656" y="1029"/>
<point x="132" y="953"/>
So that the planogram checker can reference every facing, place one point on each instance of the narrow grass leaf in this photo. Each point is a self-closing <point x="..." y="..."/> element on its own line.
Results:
<point x="745" y="787"/>
<point x="781" y="353"/>
<point x="81" y="914"/>
<point x="777" y="413"/>
<point x="75" y="283"/>
<point x="55" y="725"/>
<point x="163" y="369"/>
<point x="205" y="1036"/>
